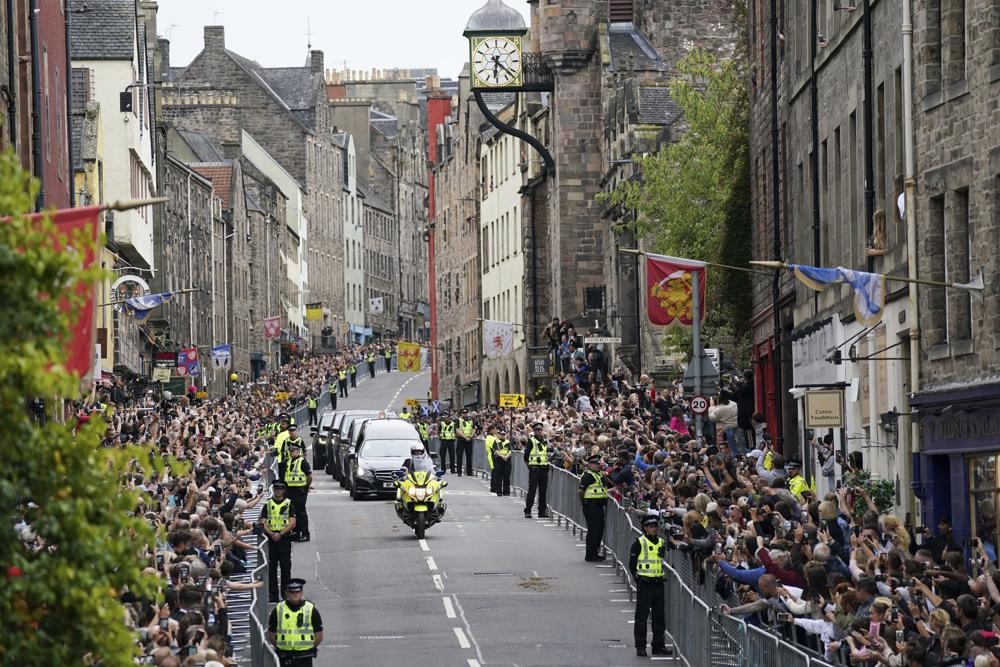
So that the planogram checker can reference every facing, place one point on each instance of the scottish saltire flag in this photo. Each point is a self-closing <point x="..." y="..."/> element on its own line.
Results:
<point x="869" y="288"/>
<point x="139" y="307"/>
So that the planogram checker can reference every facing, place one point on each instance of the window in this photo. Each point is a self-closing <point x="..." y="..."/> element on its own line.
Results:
<point x="958" y="242"/>
<point x="953" y="41"/>
<point x="932" y="45"/>
<point x="984" y="491"/>
<point x="486" y="249"/>
<point x="936" y="262"/>
<point x="853" y="258"/>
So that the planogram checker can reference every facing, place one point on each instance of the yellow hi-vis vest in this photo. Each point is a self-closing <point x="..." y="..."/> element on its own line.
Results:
<point x="502" y="446"/>
<point x="311" y="404"/>
<point x="489" y="449"/>
<point x="798" y="484"/>
<point x="294" y="630"/>
<point x="539" y="454"/>
<point x="341" y="375"/>
<point x="278" y="515"/>
<point x="650" y="563"/>
<point x="370" y="358"/>
<point x="424" y="431"/>
<point x="406" y="414"/>
<point x="596" y="490"/>
<point x="294" y="477"/>
<point x="448" y="430"/>
<point x="280" y="448"/>
<point x="465" y="428"/>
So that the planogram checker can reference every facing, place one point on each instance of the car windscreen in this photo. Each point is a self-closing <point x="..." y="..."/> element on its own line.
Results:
<point x="386" y="448"/>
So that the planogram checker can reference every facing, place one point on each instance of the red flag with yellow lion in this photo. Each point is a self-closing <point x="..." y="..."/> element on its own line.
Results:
<point x="669" y="289"/>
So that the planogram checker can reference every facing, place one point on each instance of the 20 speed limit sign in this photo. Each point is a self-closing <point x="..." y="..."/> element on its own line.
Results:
<point x="699" y="405"/>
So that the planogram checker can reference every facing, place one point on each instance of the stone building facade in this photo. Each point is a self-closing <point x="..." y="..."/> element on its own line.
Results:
<point x="286" y="111"/>
<point x="454" y="149"/>
<point x="957" y="136"/>
<point x="381" y="264"/>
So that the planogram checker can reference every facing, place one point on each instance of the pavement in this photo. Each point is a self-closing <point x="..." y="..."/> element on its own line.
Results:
<point x="486" y="586"/>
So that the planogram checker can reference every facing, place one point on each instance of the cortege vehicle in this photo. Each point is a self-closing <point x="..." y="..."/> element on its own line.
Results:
<point x="383" y="445"/>
<point x="418" y="498"/>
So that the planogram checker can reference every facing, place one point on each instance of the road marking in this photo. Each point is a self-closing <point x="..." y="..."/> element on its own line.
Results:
<point x="603" y="566"/>
<point x="534" y="573"/>
<point x="632" y="622"/>
<point x="606" y="574"/>
<point x="463" y="641"/>
<point x="465" y="621"/>
<point x="423" y="545"/>
<point x="618" y="590"/>
<point x="473" y="662"/>
<point x="438" y="583"/>
<point x="430" y="562"/>
<point x="449" y="608"/>
<point x="625" y="611"/>
<point x="317" y="557"/>
<point x="621" y="600"/>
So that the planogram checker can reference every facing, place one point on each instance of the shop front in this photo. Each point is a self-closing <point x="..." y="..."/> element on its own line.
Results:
<point x="957" y="467"/>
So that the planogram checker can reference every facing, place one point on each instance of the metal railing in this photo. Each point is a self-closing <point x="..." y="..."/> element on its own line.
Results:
<point x="703" y="636"/>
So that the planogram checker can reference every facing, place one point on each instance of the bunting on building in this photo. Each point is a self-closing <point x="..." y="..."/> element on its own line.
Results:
<point x="869" y="288"/>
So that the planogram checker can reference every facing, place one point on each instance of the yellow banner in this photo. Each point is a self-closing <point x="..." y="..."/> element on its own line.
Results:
<point x="512" y="400"/>
<point x="408" y="357"/>
<point x="281" y="395"/>
<point x="314" y="312"/>
<point x="412" y="403"/>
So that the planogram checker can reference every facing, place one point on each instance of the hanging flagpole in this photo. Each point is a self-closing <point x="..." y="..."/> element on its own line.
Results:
<point x="974" y="286"/>
<point x="182" y="291"/>
<point x="129" y="204"/>
<point x="635" y="251"/>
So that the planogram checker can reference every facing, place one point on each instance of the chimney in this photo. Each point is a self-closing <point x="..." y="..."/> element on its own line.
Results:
<point x="232" y="150"/>
<point x="316" y="62"/>
<point x="163" y="46"/>
<point x="215" y="38"/>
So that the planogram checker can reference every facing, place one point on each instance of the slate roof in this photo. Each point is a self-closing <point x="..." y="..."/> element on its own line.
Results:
<point x="221" y="175"/>
<point x="173" y="73"/>
<point x="656" y="107"/>
<point x="631" y="50"/>
<point x="201" y="146"/>
<point x="385" y="124"/>
<point x="102" y="29"/>
<point x="496" y="102"/>
<point x="281" y="81"/>
<point x="372" y="199"/>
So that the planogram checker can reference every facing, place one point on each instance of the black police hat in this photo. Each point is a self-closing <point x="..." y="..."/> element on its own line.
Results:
<point x="538" y="425"/>
<point x="651" y="520"/>
<point x="294" y="585"/>
<point x="278" y="485"/>
<point x="596" y="458"/>
<point x="293" y="427"/>
<point x="294" y="445"/>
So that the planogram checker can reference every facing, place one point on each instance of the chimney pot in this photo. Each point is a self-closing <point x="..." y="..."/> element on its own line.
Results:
<point x="316" y="62"/>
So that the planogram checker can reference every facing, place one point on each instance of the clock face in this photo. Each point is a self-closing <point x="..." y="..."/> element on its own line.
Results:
<point x="496" y="62"/>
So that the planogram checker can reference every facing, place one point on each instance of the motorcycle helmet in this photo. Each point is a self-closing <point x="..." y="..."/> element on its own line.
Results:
<point x="417" y="449"/>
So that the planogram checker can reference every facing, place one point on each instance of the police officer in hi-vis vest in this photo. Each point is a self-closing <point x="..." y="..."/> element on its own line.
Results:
<point x="295" y="627"/>
<point x="446" y="434"/>
<point x="536" y="455"/>
<point x="501" y="453"/>
<point x="313" y="405"/>
<point x="370" y="358"/>
<point x="277" y="520"/>
<point x="298" y="479"/>
<point x="342" y="380"/>
<point x="645" y="562"/>
<point x="466" y="432"/>
<point x="593" y="492"/>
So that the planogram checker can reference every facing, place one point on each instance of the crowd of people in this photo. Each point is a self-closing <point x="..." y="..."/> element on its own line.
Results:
<point x="200" y="516"/>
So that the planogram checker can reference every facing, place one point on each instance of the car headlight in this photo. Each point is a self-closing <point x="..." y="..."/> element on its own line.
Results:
<point x="364" y="471"/>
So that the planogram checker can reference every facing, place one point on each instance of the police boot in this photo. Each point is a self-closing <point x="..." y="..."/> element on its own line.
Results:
<point x="640" y="651"/>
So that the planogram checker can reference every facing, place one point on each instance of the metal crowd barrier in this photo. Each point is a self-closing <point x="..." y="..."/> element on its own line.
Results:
<point x="261" y="653"/>
<point x="703" y="636"/>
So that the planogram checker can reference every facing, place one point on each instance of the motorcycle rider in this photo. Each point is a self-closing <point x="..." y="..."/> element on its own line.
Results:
<point x="418" y="461"/>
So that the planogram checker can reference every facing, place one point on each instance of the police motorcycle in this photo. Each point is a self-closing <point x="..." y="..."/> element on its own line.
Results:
<point x="419" y="492"/>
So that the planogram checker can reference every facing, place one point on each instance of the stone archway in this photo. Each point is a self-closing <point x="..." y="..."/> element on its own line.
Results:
<point x="518" y="384"/>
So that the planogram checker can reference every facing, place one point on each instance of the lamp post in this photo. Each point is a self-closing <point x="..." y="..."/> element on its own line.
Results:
<point x="233" y="379"/>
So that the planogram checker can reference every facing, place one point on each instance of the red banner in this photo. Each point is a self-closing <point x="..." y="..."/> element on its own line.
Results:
<point x="82" y="335"/>
<point x="669" y="290"/>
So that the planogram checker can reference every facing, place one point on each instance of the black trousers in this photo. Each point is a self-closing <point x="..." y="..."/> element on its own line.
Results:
<point x="447" y="452"/>
<point x="538" y="481"/>
<point x="333" y="398"/>
<point x="649" y="599"/>
<point x="371" y="368"/>
<point x="354" y="380"/>
<point x="501" y="476"/>
<point x="343" y="388"/>
<point x="465" y="451"/>
<point x="299" y="498"/>
<point x="388" y="364"/>
<point x="285" y="660"/>
<point x="313" y="419"/>
<point x="593" y="513"/>
<point x="279" y="556"/>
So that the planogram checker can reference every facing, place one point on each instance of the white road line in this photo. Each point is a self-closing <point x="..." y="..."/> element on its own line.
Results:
<point x="626" y="611"/>
<point x="438" y="583"/>
<point x="317" y="557"/>
<point x="534" y="573"/>
<point x="430" y="562"/>
<point x="461" y="613"/>
<point x="618" y="590"/>
<point x="463" y="641"/>
<point x="603" y="566"/>
<point x="606" y="574"/>
<point x="423" y="545"/>
<point x="475" y="663"/>
<point x="632" y="622"/>
<point x="621" y="600"/>
<point x="449" y="608"/>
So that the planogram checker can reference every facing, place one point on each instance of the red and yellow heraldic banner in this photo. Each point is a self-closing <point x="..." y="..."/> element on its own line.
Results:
<point x="669" y="290"/>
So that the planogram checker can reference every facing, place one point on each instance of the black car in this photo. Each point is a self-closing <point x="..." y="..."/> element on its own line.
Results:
<point x="333" y="464"/>
<point x="383" y="446"/>
<point x="344" y="445"/>
<point x="320" y="436"/>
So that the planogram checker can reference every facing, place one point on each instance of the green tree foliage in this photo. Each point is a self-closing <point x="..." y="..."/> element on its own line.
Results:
<point x="59" y="599"/>
<point x="693" y="198"/>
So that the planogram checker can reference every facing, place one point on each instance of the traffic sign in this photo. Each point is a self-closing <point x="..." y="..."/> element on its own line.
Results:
<point x="709" y="376"/>
<point x="699" y="405"/>
<point x="512" y="400"/>
<point x="602" y="340"/>
<point x="412" y="403"/>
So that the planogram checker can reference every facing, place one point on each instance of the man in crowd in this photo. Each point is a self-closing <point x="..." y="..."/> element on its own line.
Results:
<point x="536" y="455"/>
<point x="446" y="435"/>
<point x="277" y="522"/>
<point x="466" y="432"/>
<point x="298" y="480"/>
<point x="593" y="492"/>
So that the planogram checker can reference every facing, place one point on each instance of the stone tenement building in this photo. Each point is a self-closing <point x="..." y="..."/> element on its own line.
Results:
<point x="453" y="149"/>
<point x="822" y="167"/>
<point x="381" y="262"/>
<point x="957" y="127"/>
<point x="286" y="111"/>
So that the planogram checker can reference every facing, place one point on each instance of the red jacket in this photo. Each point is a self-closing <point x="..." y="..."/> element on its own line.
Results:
<point x="786" y="576"/>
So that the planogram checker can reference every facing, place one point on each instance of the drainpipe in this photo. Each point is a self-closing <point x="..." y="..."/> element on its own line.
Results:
<point x="190" y="263"/>
<point x="869" y="142"/>
<point x="779" y="393"/>
<point x="814" y="122"/>
<point x="11" y="77"/>
<point x="69" y="113"/>
<point x="211" y="241"/>
<point x="36" y="105"/>
<point x="910" y="201"/>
